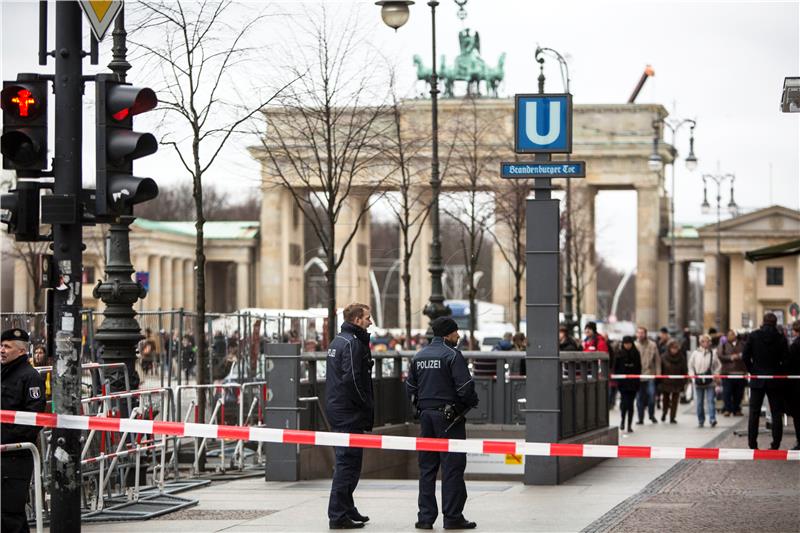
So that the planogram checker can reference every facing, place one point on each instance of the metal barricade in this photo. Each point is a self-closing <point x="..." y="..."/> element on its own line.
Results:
<point x="223" y="392"/>
<point x="37" y="476"/>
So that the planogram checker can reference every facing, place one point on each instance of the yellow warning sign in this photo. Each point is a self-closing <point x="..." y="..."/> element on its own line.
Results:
<point x="513" y="459"/>
<point x="100" y="13"/>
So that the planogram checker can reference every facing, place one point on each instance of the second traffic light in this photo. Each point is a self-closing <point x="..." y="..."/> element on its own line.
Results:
<point x="118" y="145"/>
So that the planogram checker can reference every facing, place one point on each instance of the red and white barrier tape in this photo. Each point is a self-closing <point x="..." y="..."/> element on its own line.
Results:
<point x="386" y="442"/>
<point x="692" y="376"/>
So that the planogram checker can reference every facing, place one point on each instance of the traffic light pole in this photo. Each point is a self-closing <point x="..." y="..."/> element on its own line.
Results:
<point x="67" y="250"/>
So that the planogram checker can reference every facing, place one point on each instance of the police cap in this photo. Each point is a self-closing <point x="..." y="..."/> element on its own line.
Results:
<point x="443" y="326"/>
<point x="15" y="334"/>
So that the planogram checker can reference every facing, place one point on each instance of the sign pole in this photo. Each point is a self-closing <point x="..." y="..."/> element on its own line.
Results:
<point x="67" y="249"/>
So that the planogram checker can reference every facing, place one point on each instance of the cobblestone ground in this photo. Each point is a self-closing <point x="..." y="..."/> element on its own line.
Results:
<point x="729" y="496"/>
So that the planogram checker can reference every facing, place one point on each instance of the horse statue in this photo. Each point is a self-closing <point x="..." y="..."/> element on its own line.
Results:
<point x="495" y="75"/>
<point x="468" y="66"/>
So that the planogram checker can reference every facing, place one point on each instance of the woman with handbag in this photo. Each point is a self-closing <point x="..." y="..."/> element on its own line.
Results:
<point x="672" y="362"/>
<point x="703" y="362"/>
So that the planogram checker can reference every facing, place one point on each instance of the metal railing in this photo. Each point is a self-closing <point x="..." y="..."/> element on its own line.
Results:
<point x="37" y="476"/>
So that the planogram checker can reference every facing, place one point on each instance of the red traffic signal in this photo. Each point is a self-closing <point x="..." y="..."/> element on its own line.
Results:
<point x="24" y="140"/>
<point x="118" y="190"/>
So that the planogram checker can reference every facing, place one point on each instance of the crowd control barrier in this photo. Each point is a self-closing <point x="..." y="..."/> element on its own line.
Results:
<point x="37" y="476"/>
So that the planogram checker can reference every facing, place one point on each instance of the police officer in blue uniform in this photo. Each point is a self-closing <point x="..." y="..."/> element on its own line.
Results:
<point x="441" y="388"/>
<point x="21" y="389"/>
<point x="350" y="409"/>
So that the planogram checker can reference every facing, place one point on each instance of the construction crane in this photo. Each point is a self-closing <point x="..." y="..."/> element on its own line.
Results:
<point x="648" y="71"/>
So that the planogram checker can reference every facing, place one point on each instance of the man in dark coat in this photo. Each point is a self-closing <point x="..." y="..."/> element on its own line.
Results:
<point x="766" y="353"/>
<point x="441" y="388"/>
<point x="350" y="409"/>
<point x="793" y="386"/>
<point x="21" y="389"/>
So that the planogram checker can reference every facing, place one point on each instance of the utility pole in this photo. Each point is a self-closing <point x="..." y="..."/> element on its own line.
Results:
<point x="67" y="249"/>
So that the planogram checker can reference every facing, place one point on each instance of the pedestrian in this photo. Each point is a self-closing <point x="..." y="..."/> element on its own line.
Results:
<point x="627" y="361"/>
<point x="730" y="355"/>
<point x="765" y="353"/>
<point x="672" y="362"/>
<point x="40" y="359"/>
<point x="651" y="365"/>
<point x="703" y="362"/>
<point x="188" y="356"/>
<point x="662" y="341"/>
<point x="566" y="342"/>
<point x="593" y="341"/>
<point x="792" y="368"/>
<point x="21" y="389"/>
<point x="442" y="390"/>
<point x="147" y="351"/>
<point x="520" y="345"/>
<point x="350" y="409"/>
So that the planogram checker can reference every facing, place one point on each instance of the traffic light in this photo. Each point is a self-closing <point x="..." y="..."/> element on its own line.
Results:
<point x="118" y="145"/>
<point x="24" y="141"/>
<point x="22" y="205"/>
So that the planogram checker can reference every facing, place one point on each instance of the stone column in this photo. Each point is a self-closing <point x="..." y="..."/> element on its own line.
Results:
<point x="153" y="299"/>
<point x="710" y="291"/>
<point x="242" y="285"/>
<point x="735" y="290"/>
<point x="166" y="286"/>
<point x="188" y="286"/>
<point x="23" y="299"/>
<point x="352" y="279"/>
<point x="682" y="294"/>
<point x="177" y="283"/>
<point x="418" y="268"/>
<point x="583" y="231"/>
<point x="281" y="278"/>
<point x="647" y="207"/>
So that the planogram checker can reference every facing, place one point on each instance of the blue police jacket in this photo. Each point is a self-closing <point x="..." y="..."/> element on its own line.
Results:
<point x="348" y="381"/>
<point x="439" y="375"/>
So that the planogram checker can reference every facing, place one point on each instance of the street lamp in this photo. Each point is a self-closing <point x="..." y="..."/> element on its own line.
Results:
<point x="720" y="180"/>
<point x="568" y="294"/>
<point x="395" y="13"/>
<point x="656" y="164"/>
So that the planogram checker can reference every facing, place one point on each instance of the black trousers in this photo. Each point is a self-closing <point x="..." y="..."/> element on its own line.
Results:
<point x="775" y="395"/>
<point x="16" y="469"/>
<point x="454" y="490"/>
<point x="626" y="407"/>
<point x="346" y="474"/>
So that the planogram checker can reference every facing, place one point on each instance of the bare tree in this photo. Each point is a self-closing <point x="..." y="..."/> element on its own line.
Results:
<point x="472" y="210"/>
<point x="30" y="254"/>
<point x="197" y="49"/>
<point x="177" y="203"/>
<point x="584" y="265"/>
<point x="324" y="142"/>
<point x="510" y="201"/>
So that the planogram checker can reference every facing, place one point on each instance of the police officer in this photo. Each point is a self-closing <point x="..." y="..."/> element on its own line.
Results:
<point x="441" y="388"/>
<point x="350" y="409"/>
<point x="21" y="389"/>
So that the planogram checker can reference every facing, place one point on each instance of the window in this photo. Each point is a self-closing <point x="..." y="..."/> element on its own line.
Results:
<point x="775" y="276"/>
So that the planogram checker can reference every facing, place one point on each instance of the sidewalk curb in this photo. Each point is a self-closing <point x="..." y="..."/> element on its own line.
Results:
<point x="621" y="511"/>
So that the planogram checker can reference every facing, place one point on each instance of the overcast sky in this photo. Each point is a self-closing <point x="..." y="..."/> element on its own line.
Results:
<point x="721" y="63"/>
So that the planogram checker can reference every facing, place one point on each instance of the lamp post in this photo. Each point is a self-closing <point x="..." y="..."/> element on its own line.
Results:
<point x="656" y="164"/>
<point x="720" y="180"/>
<point x="394" y="14"/>
<point x="569" y="316"/>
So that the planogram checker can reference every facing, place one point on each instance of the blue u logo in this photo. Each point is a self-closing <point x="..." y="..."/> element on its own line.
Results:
<point x="543" y="123"/>
<point x="532" y="121"/>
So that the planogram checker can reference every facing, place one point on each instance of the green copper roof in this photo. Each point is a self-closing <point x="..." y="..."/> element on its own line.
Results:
<point x="244" y="230"/>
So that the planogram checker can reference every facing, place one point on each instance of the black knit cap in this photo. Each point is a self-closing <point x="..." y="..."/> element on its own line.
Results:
<point x="15" y="334"/>
<point x="628" y="339"/>
<point x="443" y="326"/>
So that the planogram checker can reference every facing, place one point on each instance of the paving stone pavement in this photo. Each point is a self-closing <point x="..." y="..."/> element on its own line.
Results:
<point x="728" y="496"/>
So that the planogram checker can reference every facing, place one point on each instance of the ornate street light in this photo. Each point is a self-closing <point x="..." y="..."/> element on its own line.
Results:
<point x="394" y="12"/>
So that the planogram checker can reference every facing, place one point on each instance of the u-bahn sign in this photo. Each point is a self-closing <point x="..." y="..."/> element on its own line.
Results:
<point x="536" y="169"/>
<point x="543" y="123"/>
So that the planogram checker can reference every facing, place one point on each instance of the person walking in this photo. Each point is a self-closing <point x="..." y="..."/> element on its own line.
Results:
<point x="792" y="368"/>
<point x="627" y="361"/>
<point x="21" y="389"/>
<point x="442" y="390"/>
<point x="730" y="355"/>
<point x="350" y="409"/>
<point x="672" y="362"/>
<point x="651" y="365"/>
<point x="593" y="341"/>
<point x="765" y="353"/>
<point x="703" y="362"/>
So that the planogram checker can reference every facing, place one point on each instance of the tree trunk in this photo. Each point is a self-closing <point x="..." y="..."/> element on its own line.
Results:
<point x="330" y="276"/>
<point x="517" y="301"/>
<point x="473" y="315"/>
<point x="407" y="300"/>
